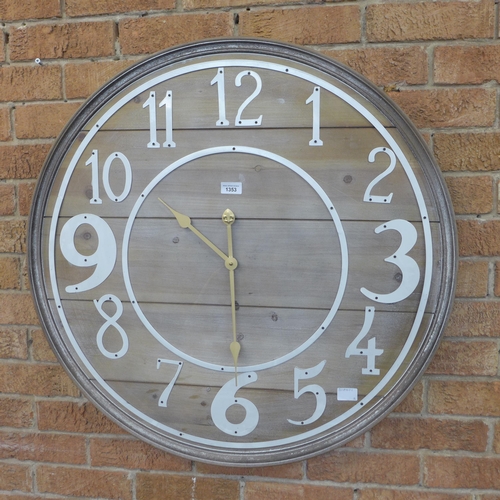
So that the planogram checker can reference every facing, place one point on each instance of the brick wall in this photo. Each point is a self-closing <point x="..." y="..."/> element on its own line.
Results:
<point x="440" y="61"/>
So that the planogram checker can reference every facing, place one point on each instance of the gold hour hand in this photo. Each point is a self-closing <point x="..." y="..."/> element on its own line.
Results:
<point x="185" y="222"/>
<point x="231" y="263"/>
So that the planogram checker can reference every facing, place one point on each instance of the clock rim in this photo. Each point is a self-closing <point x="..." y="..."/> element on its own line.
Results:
<point x="410" y="136"/>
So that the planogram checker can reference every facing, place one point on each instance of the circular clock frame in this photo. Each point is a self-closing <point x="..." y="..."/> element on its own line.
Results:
<point x="356" y="90"/>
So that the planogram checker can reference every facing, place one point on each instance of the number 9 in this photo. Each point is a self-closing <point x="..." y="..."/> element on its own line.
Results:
<point x="103" y="258"/>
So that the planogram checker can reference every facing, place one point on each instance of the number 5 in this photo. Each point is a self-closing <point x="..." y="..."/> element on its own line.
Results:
<point x="317" y="390"/>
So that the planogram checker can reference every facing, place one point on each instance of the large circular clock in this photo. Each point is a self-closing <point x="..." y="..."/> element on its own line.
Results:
<point x="242" y="252"/>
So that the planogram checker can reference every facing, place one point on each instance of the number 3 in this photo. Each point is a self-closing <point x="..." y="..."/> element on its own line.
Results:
<point x="408" y="266"/>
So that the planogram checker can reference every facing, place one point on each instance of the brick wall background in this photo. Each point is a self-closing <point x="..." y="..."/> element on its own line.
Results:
<point x="440" y="61"/>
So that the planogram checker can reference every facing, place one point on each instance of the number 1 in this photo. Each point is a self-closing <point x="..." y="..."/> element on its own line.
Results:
<point x="314" y="98"/>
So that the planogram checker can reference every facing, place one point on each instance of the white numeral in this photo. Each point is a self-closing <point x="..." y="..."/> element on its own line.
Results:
<point x="111" y="321"/>
<point x="407" y="265"/>
<point x="258" y="87"/>
<point x="94" y="161"/>
<point x="218" y="80"/>
<point x="166" y="392"/>
<point x="103" y="258"/>
<point x="314" y="98"/>
<point x="371" y="158"/>
<point x="317" y="390"/>
<point x="371" y="352"/>
<point x="221" y="94"/>
<point x="226" y="398"/>
<point x="151" y="104"/>
<point x="167" y="102"/>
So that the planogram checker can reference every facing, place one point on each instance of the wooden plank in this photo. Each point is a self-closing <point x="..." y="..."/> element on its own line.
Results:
<point x="206" y="337"/>
<point x="340" y="166"/>
<point x="172" y="265"/>
<point x="195" y="102"/>
<point x="189" y="411"/>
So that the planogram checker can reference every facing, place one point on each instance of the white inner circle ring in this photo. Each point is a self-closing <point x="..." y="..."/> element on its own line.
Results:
<point x="331" y="210"/>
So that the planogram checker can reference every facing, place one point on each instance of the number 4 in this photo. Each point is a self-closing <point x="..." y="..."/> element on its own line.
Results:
<point x="371" y="352"/>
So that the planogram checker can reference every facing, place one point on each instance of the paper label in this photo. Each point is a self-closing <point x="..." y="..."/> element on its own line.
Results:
<point x="231" y="188"/>
<point x="347" y="394"/>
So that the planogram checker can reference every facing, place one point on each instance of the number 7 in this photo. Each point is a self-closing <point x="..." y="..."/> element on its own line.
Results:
<point x="166" y="393"/>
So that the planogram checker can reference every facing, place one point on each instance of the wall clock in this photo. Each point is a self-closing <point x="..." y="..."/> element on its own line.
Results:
<point x="242" y="252"/>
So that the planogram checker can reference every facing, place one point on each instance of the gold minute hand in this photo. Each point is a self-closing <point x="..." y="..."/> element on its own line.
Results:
<point x="231" y="264"/>
<point x="185" y="222"/>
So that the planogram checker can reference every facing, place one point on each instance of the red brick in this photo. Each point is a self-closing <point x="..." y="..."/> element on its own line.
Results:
<point x="150" y="486"/>
<point x="43" y="447"/>
<point x="7" y="199"/>
<point x="462" y="472"/>
<point x="81" y="80"/>
<point x="13" y="239"/>
<point x="465" y="358"/>
<point x="57" y="41"/>
<point x="9" y="273"/>
<point x="287" y="471"/>
<point x="381" y="494"/>
<point x="467" y="65"/>
<point x="68" y="416"/>
<point x="92" y="8"/>
<point x="84" y="482"/>
<point x="40" y="347"/>
<point x="38" y="380"/>
<point x="13" y="10"/>
<point x="390" y="22"/>
<point x="17" y="309"/>
<point x="497" y="279"/>
<point x="478" y="237"/>
<point x="15" y="477"/>
<point x="471" y="194"/>
<point x="205" y="4"/>
<point x="2" y="47"/>
<point x="496" y="444"/>
<point x="146" y="35"/>
<point x="472" y="279"/>
<point x="41" y="121"/>
<point x="430" y="433"/>
<point x="349" y="466"/>
<point x="280" y="491"/>
<point x="464" y="398"/>
<point x="5" y="132"/>
<point x="132" y="454"/>
<point x="23" y="161"/>
<point x="25" y="195"/>
<point x="413" y="403"/>
<point x="30" y="83"/>
<point x="306" y="25"/>
<point x="448" y="107"/>
<point x="385" y="65"/>
<point x="474" y="319"/>
<point x="468" y="151"/>
<point x="13" y="343"/>
<point x="16" y="412"/>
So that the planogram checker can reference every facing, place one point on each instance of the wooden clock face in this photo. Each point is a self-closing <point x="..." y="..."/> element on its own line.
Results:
<point x="242" y="252"/>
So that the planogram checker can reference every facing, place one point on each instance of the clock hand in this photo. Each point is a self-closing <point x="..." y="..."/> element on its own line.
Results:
<point x="231" y="264"/>
<point x="185" y="222"/>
